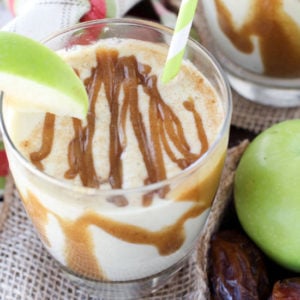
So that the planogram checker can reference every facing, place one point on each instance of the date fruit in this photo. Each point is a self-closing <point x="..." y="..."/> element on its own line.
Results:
<point x="236" y="268"/>
<point x="286" y="289"/>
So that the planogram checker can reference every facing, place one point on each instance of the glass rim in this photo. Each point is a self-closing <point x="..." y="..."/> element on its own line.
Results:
<point x="145" y="188"/>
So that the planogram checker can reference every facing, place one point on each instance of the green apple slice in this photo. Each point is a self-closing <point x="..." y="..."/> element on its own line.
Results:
<point x="34" y="78"/>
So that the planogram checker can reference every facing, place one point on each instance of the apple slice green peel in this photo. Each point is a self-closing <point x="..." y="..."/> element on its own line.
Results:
<point x="34" y="78"/>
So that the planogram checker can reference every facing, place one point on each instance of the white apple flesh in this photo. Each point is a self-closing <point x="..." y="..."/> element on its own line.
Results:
<point x="35" y="78"/>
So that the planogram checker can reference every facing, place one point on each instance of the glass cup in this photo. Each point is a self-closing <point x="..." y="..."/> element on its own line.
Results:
<point x="258" y="45"/>
<point x="125" y="242"/>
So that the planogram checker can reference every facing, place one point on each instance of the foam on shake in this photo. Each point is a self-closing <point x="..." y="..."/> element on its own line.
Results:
<point x="138" y="131"/>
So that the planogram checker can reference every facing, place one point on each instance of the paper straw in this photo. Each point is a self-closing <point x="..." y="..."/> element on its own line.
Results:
<point x="179" y="39"/>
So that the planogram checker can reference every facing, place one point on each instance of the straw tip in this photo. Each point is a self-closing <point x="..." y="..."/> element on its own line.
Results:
<point x="166" y="78"/>
<point x="172" y="66"/>
<point x="170" y="72"/>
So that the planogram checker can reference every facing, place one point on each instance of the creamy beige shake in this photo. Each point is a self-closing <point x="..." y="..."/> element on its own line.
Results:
<point x="261" y="36"/>
<point x="138" y="132"/>
<point x="257" y="43"/>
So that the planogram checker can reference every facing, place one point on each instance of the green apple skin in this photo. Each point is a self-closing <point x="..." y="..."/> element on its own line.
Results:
<point x="267" y="193"/>
<point x="27" y="59"/>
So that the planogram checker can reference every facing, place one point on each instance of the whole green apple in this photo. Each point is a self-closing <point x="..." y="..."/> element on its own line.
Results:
<point x="267" y="192"/>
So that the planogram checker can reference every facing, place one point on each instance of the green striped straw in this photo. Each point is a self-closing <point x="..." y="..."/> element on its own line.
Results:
<point x="179" y="39"/>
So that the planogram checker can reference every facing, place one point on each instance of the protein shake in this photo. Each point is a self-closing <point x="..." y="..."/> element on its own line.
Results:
<point x="126" y="192"/>
<point x="262" y="38"/>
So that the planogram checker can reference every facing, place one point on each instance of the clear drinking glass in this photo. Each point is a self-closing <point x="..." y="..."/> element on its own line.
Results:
<point x="258" y="45"/>
<point x="132" y="249"/>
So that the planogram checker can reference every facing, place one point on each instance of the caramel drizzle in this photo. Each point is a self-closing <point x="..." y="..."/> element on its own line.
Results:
<point x="47" y="141"/>
<point x="79" y="250"/>
<point x="113" y="73"/>
<point x="277" y="32"/>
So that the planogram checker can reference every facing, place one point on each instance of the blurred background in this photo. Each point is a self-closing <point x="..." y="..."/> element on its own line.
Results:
<point x="5" y="15"/>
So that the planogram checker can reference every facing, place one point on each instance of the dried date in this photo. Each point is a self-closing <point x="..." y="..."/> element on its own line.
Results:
<point x="286" y="289"/>
<point x="237" y="270"/>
